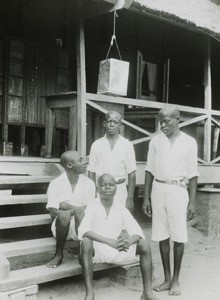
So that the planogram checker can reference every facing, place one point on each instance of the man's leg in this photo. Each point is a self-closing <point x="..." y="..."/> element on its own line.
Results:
<point x="143" y="249"/>
<point x="165" y="256"/>
<point x="62" y="229"/>
<point x="178" y="250"/>
<point x="87" y="267"/>
<point x="79" y="215"/>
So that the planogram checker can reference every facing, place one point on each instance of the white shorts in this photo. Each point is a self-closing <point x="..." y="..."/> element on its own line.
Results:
<point x="72" y="231"/>
<point x="169" y="212"/>
<point x="107" y="254"/>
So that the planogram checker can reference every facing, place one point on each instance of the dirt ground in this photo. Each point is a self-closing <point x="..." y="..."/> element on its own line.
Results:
<point x="200" y="276"/>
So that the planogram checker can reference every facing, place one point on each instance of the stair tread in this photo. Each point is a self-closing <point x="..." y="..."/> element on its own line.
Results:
<point x="20" y="179"/>
<point x="23" y="199"/>
<point x="40" y="274"/>
<point x="32" y="246"/>
<point x="24" y="221"/>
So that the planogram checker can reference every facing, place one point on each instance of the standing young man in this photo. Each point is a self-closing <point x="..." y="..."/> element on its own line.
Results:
<point x="68" y="196"/>
<point x="110" y="234"/>
<point x="172" y="158"/>
<point x="113" y="154"/>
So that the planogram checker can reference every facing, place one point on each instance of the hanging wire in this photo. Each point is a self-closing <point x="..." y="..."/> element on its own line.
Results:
<point x="114" y="39"/>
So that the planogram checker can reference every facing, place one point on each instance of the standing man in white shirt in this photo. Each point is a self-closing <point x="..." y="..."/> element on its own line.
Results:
<point x="172" y="158"/>
<point x="113" y="154"/>
<point x="68" y="195"/>
<point x="110" y="234"/>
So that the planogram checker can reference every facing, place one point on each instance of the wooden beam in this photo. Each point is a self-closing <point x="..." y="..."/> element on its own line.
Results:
<point x="103" y="110"/>
<point x="208" y="100"/>
<point x="194" y="120"/>
<point x="144" y="103"/>
<point x="215" y="142"/>
<point x="81" y="90"/>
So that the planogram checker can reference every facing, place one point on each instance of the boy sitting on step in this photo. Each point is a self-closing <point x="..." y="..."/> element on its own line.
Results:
<point x="110" y="234"/>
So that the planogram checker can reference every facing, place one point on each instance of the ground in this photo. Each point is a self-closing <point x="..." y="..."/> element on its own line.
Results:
<point x="199" y="278"/>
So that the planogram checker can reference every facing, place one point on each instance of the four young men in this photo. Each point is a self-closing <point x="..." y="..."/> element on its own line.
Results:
<point x="108" y="232"/>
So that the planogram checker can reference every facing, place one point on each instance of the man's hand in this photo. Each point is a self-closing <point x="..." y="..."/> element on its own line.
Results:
<point x="146" y="208"/>
<point x="190" y="212"/>
<point x="123" y="241"/>
<point x="130" y="204"/>
<point x="112" y="243"/>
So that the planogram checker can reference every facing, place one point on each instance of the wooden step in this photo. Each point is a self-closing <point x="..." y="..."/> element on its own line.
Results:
<point x="40" y="274"/>
<point x="19" y="179"/>
<point x="24" y="221"/>
<point x="33" y="246"/>
<point x="23" y="199"/>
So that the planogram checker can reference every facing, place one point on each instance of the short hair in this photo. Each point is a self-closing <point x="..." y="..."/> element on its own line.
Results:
<point x="111" y="112"/>
<point x="102" y="176"/>
<point x="173" y="111"/>
<point x="68" y="156"/>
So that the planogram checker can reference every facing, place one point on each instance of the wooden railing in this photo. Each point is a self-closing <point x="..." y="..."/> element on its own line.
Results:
<point x="190" y="115"/>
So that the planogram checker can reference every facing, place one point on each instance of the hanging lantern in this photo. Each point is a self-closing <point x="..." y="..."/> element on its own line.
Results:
<point x="113" y="73"/>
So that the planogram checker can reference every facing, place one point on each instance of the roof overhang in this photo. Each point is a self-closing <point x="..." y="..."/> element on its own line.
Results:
<point x="199" y="15"/>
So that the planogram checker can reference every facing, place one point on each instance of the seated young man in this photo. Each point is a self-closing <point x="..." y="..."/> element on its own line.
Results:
<point x="68" y="196"/>
<point x="110" y="234"/>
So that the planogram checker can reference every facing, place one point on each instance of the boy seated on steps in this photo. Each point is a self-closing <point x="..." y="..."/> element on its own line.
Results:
<point x="109" y="234"/>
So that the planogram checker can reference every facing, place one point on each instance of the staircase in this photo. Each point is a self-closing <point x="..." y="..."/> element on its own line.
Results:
<point x="23" y="185"/>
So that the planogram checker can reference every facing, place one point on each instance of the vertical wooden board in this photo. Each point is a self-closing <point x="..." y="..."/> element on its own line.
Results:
<point x="0" y="108"/>
<point x="62" y="119"/>
<point x="1" y="66"/>
<point x="15" y="86"/>
<point x="51" y="75"/>
<point x="16" y="67"/>
<point x="31" y="84"/>
<point x="1" y="91"/>
<point x="1" y="48"/>
<point x="16" y="49"/>
<point x="14" y="109"/>
<point x="41" y="85"/>
<point x="63" y="59"/>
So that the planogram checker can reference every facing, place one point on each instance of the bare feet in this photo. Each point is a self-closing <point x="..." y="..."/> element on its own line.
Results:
<point x="149" y="296"/>
<point x="162" y="287"/>
<point x="55" y="262"/>
<point x="175" y="289"/>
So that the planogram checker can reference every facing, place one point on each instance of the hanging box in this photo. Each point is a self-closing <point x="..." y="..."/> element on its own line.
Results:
<point x="113" y="77"/>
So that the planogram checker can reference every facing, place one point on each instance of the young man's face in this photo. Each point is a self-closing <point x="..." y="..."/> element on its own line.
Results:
<point x="78" y="164"/>
<point x="169" y="124"/>
<point x="112" y="124"/>
<point x="107" y="187"/>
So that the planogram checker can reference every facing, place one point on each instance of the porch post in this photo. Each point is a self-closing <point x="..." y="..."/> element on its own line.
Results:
<point x="208" y="100"/>
<point x="81" y="90"/>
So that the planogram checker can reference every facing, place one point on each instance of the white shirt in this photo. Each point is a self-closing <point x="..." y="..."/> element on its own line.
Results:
<point x="110" y="226"/>
<point x="60" y="190"/>
<point x="176" y="161"/>
<point x="118" y="162"/>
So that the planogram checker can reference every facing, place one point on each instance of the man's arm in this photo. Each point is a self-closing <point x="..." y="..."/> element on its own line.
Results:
<point x="192" y="197"/>
<point x="101" y="239"/>
<point x="146" y="207"/>
<point x="131" y="188"/>
<point x="92" y="176"/>
<point x="64" y="206"/>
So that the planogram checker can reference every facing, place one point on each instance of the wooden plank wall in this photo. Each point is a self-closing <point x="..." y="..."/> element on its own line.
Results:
<point x="35" y="71"/>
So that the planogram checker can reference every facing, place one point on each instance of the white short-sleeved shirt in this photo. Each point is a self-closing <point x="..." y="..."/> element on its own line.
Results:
<point x="110" y="226"/>
<point x="60" y="190"/>
<point x="176" y="161"/>
<point x="118" y="162"/>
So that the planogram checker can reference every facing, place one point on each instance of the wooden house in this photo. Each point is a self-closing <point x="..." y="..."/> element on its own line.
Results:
<point x="49" y="63"/>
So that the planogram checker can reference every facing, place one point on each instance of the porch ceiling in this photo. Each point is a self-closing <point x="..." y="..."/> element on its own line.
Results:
<point x="202" y="15"/>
